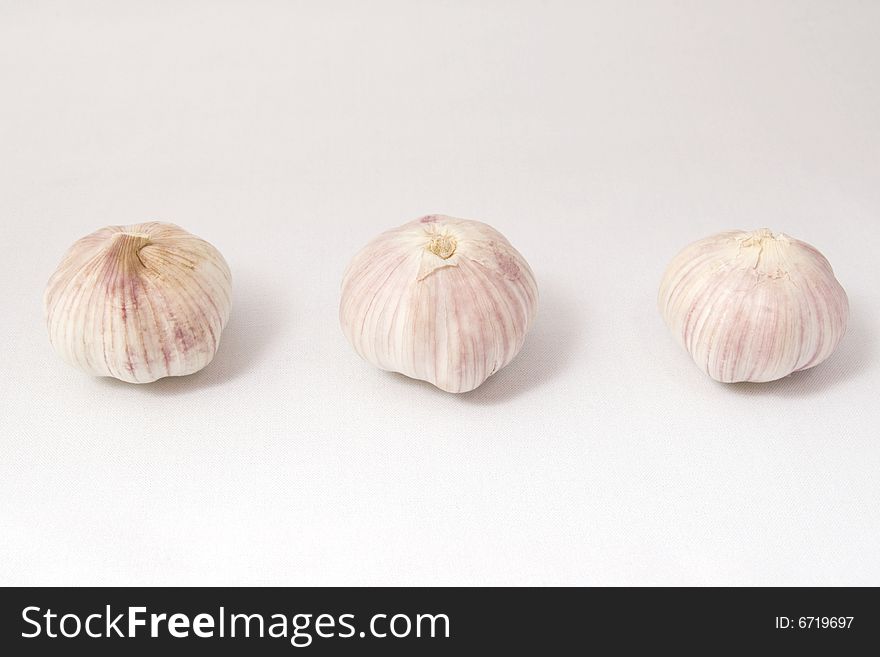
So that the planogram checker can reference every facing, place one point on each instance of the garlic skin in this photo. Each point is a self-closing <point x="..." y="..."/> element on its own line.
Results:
<point x="444" y="300"/>
<point x="139" y="302"/>
<point x="753" y="306"/>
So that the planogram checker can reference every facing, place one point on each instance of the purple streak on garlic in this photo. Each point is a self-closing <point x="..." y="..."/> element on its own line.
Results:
<point x="439" y="299"/>
<point x="139" y="303"/>
<point x="753" y="306"/>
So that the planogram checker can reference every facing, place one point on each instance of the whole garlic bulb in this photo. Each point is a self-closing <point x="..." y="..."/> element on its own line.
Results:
<point x="753" y="306"/>
<point x="139" y="303"/>
<point x="440" y="299"/>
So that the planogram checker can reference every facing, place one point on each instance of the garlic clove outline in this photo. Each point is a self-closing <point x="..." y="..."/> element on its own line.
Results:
<point x="753" y="305"/>
<point x="440" y="299"/>
<point x="139" y="302"/>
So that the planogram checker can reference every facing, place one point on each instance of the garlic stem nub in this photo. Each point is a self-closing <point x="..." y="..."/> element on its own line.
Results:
<point x="127" y="245"/>
<point x="442" y="246"/>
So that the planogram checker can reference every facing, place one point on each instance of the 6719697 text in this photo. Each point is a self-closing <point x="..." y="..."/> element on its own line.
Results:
<point x="814" y="622"/>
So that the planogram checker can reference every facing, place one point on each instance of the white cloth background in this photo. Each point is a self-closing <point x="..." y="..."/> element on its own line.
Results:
<point x="599" y="137"/>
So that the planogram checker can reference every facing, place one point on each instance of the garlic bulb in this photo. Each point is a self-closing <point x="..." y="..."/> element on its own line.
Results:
<point x="440" y="299"/>
<point x="753" y="306"/>
<point x="138" y="303"/>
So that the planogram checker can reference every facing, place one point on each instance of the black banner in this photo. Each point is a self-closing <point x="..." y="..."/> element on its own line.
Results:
<point x="408" y="621"/>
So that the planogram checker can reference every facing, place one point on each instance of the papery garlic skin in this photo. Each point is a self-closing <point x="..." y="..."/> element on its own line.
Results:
<point x="440" y="299"/>
<point x="139" y="302"/>
<point x="753" y="306"/>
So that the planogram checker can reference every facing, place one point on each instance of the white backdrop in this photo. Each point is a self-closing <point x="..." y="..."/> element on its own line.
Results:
<point x="598" y="137"/>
